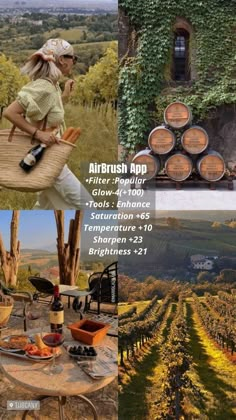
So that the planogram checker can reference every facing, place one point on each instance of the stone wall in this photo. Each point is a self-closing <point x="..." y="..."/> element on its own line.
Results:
<point x="221" y="129"/>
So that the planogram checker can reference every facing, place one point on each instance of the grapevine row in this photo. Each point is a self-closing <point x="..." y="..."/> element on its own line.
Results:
<point x="227" y="297"/>
<point x="143" y="314"/>
<point x="128" y="314"/>
<point x="223" y="308"/>
<point x="177" y="361"/>
<point x="222" y="330"/>
<point x="134" y="334"/>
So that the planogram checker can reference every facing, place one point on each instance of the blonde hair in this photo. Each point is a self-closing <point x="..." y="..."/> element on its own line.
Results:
<point x="37" y="68"/>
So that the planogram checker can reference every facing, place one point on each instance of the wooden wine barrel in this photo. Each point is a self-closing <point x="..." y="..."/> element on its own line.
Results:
<point x="178" y="167"/>
<point x="211" y="166"/>
<point x="145" y="157"/>
<point x="195" y="140"/>
<point x="161" y="140"/>
<point x="177" y="115"/>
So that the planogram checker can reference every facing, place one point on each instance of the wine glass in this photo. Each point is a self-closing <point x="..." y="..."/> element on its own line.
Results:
<point x="33" y="311"/>
<point x="53" y="339"/>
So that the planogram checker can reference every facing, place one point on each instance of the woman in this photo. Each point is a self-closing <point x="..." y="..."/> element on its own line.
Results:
<point x="40" y="99"/>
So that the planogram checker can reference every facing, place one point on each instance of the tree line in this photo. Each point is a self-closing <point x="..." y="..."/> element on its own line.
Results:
<point x="131" y="290"/>
<point x="93" y="26"/>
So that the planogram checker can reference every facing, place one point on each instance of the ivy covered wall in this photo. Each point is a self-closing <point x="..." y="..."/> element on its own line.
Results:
<point x="145" y="88"/>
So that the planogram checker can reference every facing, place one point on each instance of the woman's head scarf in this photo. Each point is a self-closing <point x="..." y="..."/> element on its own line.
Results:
<point x="53" y="49"/>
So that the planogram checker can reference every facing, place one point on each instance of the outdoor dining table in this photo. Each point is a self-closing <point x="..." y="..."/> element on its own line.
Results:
<point x="72" y="381"/>
<point x="3" y="329"/>
<point x="72" y="292"/>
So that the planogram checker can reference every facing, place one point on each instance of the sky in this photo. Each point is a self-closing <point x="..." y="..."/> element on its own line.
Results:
<point x="37" y="228"/>
<point x="60" y="3"/>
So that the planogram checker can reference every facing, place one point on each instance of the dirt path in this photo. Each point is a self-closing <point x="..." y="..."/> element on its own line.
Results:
<point x="213" y="373"/>
<point x="139" y="397"/>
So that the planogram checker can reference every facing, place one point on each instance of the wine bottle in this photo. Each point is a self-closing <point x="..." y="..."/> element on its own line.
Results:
<point x="56" y="312"/>
<point x="32" y="157"/>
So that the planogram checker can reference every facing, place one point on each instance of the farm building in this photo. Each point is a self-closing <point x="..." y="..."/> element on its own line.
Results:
<point x="201" y="262"/>
<point x="203" y="265"/>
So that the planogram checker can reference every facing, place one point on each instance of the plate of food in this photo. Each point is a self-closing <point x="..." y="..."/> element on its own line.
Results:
<point x="33" y="351"/>
<point x="14" y="343"/>
<point x="82" y="352"/>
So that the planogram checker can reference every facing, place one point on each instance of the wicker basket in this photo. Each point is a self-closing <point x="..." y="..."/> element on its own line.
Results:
<point x="6" y="306"/>
<point x="5" y="312"/>
<point x="43" y="175"/>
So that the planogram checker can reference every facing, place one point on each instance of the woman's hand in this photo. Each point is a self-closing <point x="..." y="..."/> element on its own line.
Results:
<point x="14" y="113"/>
<point x="69" y="86"/>
<point x="68" y="89"/>
<point x="46" y="137"/>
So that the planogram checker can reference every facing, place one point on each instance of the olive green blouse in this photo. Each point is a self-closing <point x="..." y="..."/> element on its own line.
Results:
<point x="41" y="98"/>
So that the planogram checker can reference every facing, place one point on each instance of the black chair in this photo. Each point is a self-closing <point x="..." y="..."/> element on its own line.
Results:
<point x="103" y="288"/>
<point x="44" y="289"/>
<point x="18" y="296"/>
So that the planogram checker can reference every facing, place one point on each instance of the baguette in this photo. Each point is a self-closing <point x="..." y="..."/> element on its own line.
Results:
<point x="39" y="342"/>
<point x="68" y="133"/>
<point x="74" y="136"/>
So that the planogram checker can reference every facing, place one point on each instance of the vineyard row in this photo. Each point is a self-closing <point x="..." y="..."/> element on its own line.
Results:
<point x="222" y="330"/>
<point x="134" y="334"/>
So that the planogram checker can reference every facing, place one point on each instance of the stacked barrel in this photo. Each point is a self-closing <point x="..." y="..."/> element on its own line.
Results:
<point x="180" y="158"/>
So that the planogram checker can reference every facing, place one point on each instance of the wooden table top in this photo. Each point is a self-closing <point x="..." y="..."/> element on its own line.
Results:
<point x="71" y="381"/>
<point x="66" y="288"/>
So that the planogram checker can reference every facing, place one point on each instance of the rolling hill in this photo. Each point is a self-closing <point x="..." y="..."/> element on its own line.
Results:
<point x="169" y="249"/>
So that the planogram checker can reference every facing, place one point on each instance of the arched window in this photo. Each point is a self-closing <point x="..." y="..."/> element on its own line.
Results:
<point x="181" y="62"/>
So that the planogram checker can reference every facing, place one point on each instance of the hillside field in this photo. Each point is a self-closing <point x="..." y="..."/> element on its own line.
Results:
<point x="171" y="247"/>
